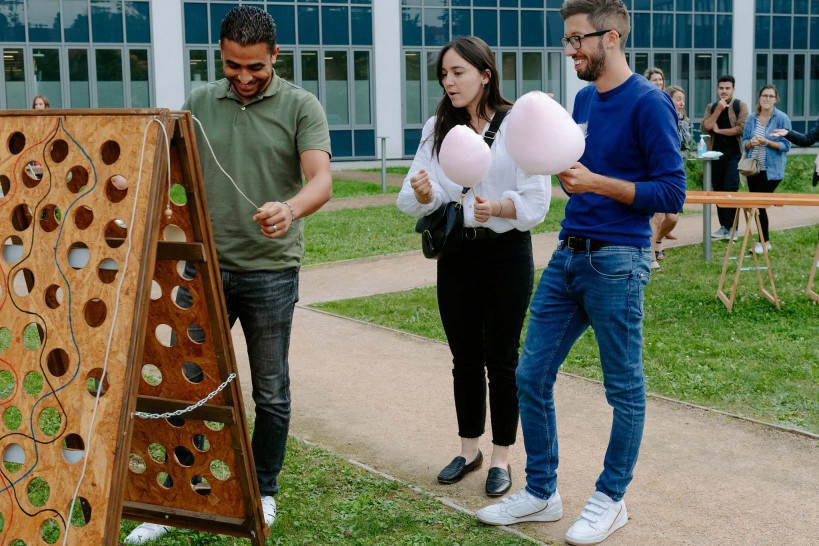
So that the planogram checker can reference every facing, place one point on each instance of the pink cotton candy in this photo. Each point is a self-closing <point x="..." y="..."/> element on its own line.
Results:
<point x="541" y="136"/>
<point x="464" y="156"/>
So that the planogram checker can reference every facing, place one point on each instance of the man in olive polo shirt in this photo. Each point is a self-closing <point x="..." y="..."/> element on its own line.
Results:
<point x="264" y="132"/>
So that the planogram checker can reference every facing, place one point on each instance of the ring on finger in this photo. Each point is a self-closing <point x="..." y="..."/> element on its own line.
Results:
<point x="275" y="228"/>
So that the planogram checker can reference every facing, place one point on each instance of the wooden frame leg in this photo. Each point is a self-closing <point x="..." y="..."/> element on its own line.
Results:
<point x="770" y="296"/>
<point x="729" y="301"/>
<point x="809" y="290"/>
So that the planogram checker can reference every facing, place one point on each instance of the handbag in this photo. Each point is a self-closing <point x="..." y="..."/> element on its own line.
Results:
<point x="748" y="166"/>
<point x="442" y="230"/>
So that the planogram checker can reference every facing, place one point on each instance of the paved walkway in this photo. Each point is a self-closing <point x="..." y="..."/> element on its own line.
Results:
<point x="384" y="398"/>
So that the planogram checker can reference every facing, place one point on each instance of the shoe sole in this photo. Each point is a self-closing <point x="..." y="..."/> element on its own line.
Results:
<point x="536" y="517"/>
<point x="618" y="523"/>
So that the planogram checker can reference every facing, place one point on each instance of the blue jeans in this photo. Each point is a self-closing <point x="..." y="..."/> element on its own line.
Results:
<point x="263" y="301"/>
<point x="602" y="289"/>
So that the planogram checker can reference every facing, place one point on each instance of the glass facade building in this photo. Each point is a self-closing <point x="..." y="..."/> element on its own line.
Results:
<point x="145" y="53"/>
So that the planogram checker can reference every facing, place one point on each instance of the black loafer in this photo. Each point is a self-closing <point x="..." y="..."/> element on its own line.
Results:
<point x="457" y="469"/>
<point x="499" y="481"/>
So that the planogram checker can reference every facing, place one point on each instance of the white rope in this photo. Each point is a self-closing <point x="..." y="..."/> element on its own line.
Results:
<point x="207" y="141"/>
<point x="89" y="435"/>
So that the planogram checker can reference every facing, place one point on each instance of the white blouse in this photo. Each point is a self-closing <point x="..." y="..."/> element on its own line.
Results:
<point x="531" y="194"/>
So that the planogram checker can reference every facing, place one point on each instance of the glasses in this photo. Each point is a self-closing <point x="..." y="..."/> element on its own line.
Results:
<point x="767" y="97"/>
<point x="575" y="40"/>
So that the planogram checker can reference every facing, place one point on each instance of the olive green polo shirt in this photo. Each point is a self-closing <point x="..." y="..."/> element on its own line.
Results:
<point x="258" y="143"/>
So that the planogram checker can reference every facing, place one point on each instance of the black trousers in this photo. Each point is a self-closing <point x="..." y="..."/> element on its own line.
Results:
<point x="483" y="293"/>
<point x="760" y="183"/>
<point x="725" y="177"/>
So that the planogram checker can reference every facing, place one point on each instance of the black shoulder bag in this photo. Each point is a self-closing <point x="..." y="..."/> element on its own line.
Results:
<point x="442" y="230"/>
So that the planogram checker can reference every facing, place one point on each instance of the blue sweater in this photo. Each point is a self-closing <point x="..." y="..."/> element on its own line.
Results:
<point x="631" y="135"/>
<point x="774" y="159"/>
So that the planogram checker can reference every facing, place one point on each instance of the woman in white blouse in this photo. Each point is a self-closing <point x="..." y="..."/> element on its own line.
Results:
<point x="484" y="288"/>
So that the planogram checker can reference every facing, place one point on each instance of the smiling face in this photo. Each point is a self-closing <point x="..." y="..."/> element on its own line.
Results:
<point x="657" y="79"/>
<point x="463" y="82"/>
<point x="249" y="69"/>
<point x="590" y="59"/>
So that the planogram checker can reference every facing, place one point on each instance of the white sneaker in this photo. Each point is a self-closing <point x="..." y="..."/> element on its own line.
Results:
<point x="145" y="533"/>
<point x="600" y="518"/>
<point x="269" y="509"/>
<point x="721" y="233"/>
<point x="758" y="248"/>
<point x="520" y="507"/>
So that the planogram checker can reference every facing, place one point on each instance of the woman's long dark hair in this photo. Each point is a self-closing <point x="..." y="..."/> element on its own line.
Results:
<point x="477" y="53"/>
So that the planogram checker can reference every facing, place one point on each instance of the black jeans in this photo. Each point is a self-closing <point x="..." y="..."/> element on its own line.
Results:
<point x="725" y="177"/>
<point x="483" y="293"/>
<point x="760" y="183"/>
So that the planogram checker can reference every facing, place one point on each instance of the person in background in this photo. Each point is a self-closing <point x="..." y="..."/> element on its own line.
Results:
<point x="769" y="150"/>
<point x="273" y="137"/>
<point x="808" y="139"/>
<point x="660" y="220"/>
<point x="40" y="102"/>
<point x="724" y="121"/>
<point x="598" y="272"/>
<point x="484" y="287"/>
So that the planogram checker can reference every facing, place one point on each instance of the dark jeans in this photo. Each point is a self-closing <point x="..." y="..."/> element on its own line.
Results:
<point x="760" y="183"/>
<point x="263" y="301"/>
<point x="483" y="293"/>
<point x="725" y="177"/>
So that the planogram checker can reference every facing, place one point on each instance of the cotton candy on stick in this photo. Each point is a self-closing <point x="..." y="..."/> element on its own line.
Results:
<point x="541" y="136"/>
<point x="464" y="156"/>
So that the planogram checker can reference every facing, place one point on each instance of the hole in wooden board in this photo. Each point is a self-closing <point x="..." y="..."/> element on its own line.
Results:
<point x="164" y="480"/>
<point x="95" y="382"/>
<point x="156" y="290"/>
<point x="73" y="448"/>
<point x="165" y="335"/>
<point x="33" y="336"/>
<point x="95" y="312"/>
<point x="107" y="270"/>
<point x="157" y="452"/>
<point x="54" y="296"/>
<point x="50" y="422"/>
<point x="115" y="233"/>
<point x="17" y="142"/>
<point x="12" y="418"/>
<point x="192" y="372"/>
<point x="50" y="531"/>
<point x="59" y="150"/>
<point x="23" y="282"/>
<point x="21" y="217"/>
<point x="5" y="185"/>
<point x="183" y="456"/>
<point x="57" y="362"/>
<point x="109" y="151"/>
<point x="50" y="217"/>
<point x="38" y="492"/>
<point x="76" y="179"/>
<point x="201" y="443"/>
<point x="152" y="375"/>
<point x="220" y="470"/>
<point x="12" y="249"/>
<point x="78" y="255"/>
<point x="182" y="297"/>
<point x="33" y="383"/>
<point x="113" y="190"/>
<point x="174" y="233"/>
<point x="200" y="485"/>
<point x="83" y="217"/>
<point x="80" y="512"/>
<point x="136" y="464"/>
<point x="5" y="342"/>
<point x="8" y="382"/>
<point x="32" y="174"/>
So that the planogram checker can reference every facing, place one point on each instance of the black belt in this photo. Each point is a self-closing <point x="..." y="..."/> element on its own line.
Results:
<point x="579" y="243"/>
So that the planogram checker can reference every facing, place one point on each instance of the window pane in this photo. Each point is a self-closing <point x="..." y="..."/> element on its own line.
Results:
<point x="336" y="87"/>
<point x="509" y="75"/>
<point x="218" y="67"/>
<point x="554" y="69"/>
<point x="486" y="25"/>
<point x="217" y="14"/>
<point x="11" y="24"/>
<point x="640" y="63"/>
<point x="532" y="71"/>
<point x="341" y="142"/>
<point x="814" y="85"/>
<point x="334" y="25"/>
<point x="412" y="138"/>
<point x="138" y="22"/>
<point x="412" y="86"/>
<point x="285" y="18"/>
<point x="554" y="28"/>
<point x="15" y="78"/>
<point x="361" y="21"/>
<point x="75" y="20"/>
<point x="196" y="23"/>
<point x="723" y="64"/>
<point x="434" y="90"/>
<point x="761" y="71"/>
<point x="43" y="21"/>
<point x="663" y="30"/>
<point x="779" y="73"/>
<point x="800" y="32"/>
<point x="364" y="143"/>
<point x="109" y="78"/>
<point x="782" y="6"/>
<point x="46" y="63"/>
<point x="509" y="28"/>
<point x="198" y="67"/>
<point x="310" y="71"/>
<point x="436" y="27"/>
<point x="308" y="25"/>
<point x="798" y="106"/>
<point x="663" y="62"/>
<point x="411" y="27"/>
<point x="642" y="37"/>
<point x="725" y="34"/>
<point x="140" y="80"/>
<point x="106" y="20"/>
<point x="684" y="28"/>
<point x="684" y="77"/>
<point x="704" y="31"/>
<point x="284" y="66"/>
<point x="532" y="31"/>
<point x="361" y="74"/>
<point x="703" y="83"/>
<point x="78" y="86"/>
<point x="461" y="22"/>
<point x="762" y="38"/>
<point x="781" y="33"/>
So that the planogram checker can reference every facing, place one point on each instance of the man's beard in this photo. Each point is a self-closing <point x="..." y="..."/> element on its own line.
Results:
<point x="594" y="65"/>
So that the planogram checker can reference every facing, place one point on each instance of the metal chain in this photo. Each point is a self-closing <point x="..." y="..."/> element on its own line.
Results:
<point x="179" y="412"/>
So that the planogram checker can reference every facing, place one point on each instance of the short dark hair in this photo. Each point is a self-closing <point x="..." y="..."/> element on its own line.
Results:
<point x="727" y="78"/>
<point x="249" y="25"/>
<point x="602" y="14"/>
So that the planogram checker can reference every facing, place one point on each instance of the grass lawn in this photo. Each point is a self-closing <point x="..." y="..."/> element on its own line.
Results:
<point x="326" y="500"/>
<point x="356" y="188"/>
<point x="756" y="361"/>
<point x="373" y="231"/>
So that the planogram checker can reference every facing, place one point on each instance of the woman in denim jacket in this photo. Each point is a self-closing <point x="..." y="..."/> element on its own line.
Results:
<point x="771" y="151"/>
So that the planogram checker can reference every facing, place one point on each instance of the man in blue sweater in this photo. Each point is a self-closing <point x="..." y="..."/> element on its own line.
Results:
<point x="631" y="169"/>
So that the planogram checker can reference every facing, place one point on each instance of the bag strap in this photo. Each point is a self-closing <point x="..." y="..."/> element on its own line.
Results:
<point x="489" y="135"/>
